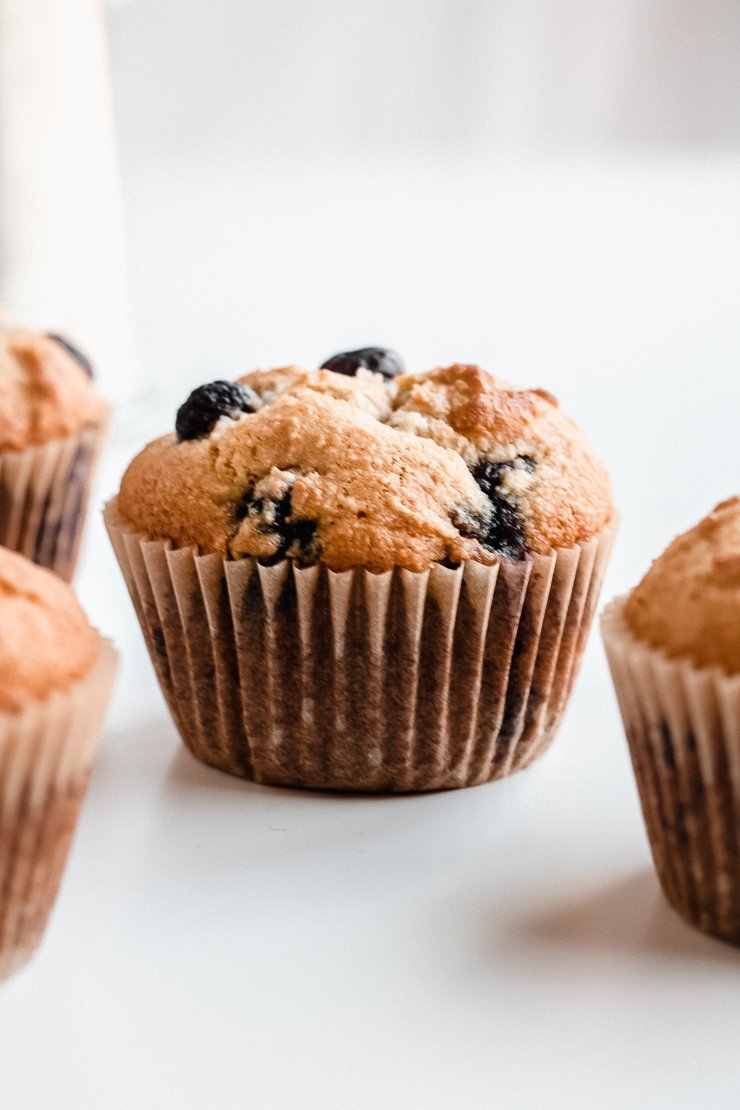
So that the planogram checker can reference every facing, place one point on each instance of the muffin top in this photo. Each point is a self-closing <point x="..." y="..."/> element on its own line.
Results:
<point x="355" y="467"/>
<point x="688" y="603"/>
<point x="46" y="642"/>
<point x="45" y="389"/>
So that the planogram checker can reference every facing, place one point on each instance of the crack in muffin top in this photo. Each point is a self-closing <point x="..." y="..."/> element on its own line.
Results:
<point x="369" y="470"/>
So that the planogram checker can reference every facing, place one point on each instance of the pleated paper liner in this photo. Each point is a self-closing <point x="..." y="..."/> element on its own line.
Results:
<point x="46" y="755"/>
<point x="683" y="730"/>
<point x="358" y="681"/>
<point x="44" y="494"/>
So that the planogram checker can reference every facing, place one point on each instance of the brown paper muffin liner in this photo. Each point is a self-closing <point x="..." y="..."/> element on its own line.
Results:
<point x="683" y="730"/>
<point x="44" y="494"/>
<point x="358" y="681"/>
<point x="46" y="755"/>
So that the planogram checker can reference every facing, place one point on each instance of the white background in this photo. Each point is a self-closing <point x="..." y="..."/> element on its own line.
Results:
<point x="459" y="185"/>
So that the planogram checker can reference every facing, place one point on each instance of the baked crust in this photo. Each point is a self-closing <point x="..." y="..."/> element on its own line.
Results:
<point x="44" y="393"/>
<point x="46" y="642"/>
<point x="688" y="603"/>
<point x="371" y="473"/>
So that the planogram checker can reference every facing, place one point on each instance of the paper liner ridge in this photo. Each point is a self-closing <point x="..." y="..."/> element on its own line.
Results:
<point x="360" y="681"/>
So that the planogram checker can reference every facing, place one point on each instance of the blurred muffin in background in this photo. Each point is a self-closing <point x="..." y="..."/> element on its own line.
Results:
<point x="52" y="427"/>
<point x="674" y="650"/>
<point x="55" y="679"/>
<point x="354" y="578"/>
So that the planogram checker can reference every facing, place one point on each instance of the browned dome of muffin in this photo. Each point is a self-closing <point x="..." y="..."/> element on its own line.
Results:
<point x="451" y="465"/>
<point x="44" y="392"/>
<point x="46" y="642"/>
<point x="688" y="603"/>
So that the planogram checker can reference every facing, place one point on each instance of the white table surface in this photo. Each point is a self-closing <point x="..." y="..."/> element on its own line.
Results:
<point x="217" y="944"/>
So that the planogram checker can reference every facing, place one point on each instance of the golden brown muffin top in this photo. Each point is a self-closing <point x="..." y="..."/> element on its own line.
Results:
<point x="360" y="471"/>
<point x="44" y="392"/>
<point x="46" y="642"/>
<point x="688" y="603"/>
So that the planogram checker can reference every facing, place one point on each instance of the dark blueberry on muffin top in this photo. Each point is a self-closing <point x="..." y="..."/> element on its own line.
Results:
<point x="208" y="403"/>
<point x="82" y="360"/>
<point x="380" y="360"/>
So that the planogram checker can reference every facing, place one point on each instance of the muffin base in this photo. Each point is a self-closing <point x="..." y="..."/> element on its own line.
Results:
<point x="683" y="730"/>
<point x="355" y="681"/>
<point x="46" y="755"/>
<point x="44" y="495"/>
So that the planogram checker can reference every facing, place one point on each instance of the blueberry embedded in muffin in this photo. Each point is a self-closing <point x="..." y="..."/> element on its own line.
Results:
<point x="368" y="469"/>
<point x="500" y="531"/>
<point x="379" y="360"/>
<point x="278" y="531"/>
<point x="207" y="404"/>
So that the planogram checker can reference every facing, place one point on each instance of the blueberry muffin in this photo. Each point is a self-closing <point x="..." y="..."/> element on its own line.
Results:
<point x="55" y="677"/>
<point x="440" y="536"/>
<point x="52" y="424"/>
<point x="674" y="650"/>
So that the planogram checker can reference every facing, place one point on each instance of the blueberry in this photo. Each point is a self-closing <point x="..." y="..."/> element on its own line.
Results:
<point x="296" y="535"/>
<point x="502" y="532"/>
<point x="488" y="475"/>
<point x="379" y="359"/>
<point x="208" y="403"/>
<point x="82" y="360"/>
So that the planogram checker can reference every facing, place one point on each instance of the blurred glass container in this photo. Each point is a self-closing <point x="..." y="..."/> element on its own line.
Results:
<point x="62" y="263"/>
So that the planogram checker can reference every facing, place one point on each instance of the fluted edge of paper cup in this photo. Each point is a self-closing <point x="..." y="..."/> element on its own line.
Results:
<point x="44" y="497"/>
<point x="683" y="729"/>
<point x="355" y="681"/>
<point x="46" y="756"/>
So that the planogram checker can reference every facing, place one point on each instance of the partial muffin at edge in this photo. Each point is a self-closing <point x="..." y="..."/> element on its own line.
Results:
<point x="46" y="641"/>
<point x="44" y="392"/>
<point x="688" y="603"/>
